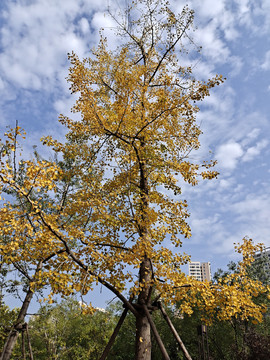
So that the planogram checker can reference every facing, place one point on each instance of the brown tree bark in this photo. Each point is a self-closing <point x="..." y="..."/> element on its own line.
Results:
<point x="143" y="338"/>
<point x="143" y="329"/>
<point x="14" y="332"/>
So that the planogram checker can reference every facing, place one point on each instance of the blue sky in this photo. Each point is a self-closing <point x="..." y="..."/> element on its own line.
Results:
<point x="35" y="37"/>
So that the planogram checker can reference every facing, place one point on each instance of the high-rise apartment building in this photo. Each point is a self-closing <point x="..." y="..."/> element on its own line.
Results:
<point x="262" y="259"/>
<point x="200" y="271"/>
<point x="194" y="269"/>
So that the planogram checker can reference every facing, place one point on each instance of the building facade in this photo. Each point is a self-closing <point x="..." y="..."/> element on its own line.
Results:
<point x="200" y="271"/>
<point x="262" y="263"/>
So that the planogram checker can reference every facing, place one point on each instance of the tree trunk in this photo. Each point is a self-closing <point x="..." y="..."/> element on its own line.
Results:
<point x="23" y="346"/>
<point x="143" y="338"/>
<point x="14" y="332"/>
<point x="143" y="330"/>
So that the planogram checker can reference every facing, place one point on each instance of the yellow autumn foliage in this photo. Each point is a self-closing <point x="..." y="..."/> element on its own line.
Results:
<point x="113" y="204"/>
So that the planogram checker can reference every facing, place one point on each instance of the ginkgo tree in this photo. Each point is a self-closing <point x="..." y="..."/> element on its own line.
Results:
<point x="110" y="207"/>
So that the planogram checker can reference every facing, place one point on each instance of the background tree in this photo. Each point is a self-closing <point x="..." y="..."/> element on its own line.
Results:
<point x="63" y="331"/>
<point x="26" y="273"/>
<point x="241" y="339"/>
<point x="7" y="318"/>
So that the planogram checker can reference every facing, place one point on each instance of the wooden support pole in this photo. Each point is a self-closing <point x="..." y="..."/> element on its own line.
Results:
<point x="177" y="337"/>
<point x="23" y="345"/>
<point x="115" y="333"/>
<point x="29" y="344"/>
<point x="156" y="334"/>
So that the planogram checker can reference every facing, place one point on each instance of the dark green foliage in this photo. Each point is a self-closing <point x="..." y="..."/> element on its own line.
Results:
<point x="63" y="332"/>
<point x="235" y="340"/>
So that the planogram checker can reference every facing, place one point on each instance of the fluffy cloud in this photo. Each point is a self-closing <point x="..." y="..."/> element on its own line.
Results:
<point x="228" y="155"/>
<point x="266" y="64"/>
<point x="252" y="135"/>
<point x="255" y="151"/>
<point x="84" y="24"/>
<point x="36" y="38"/>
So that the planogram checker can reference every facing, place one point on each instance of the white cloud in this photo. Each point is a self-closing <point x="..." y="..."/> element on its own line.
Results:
<point x="236" y="64"/>
<point x="201" y="226"/>
<point x="252" y="135"/>
<point x="243" y="7"/>
<point x="263" y="13"/>
<point x="213" y="46"/>
<point x="36" y="39"/>
<point x="224" y="184"/>
<point x="254" y="151"/>
<point x="254" y="210"/>
<point x="2" y="84"/>
<point x="220" y="15"/>
<point x="266" y="64"/>
<point x="210" y="8"/>
<point x="228" y="155"/>
<point x="85" y="27"/>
